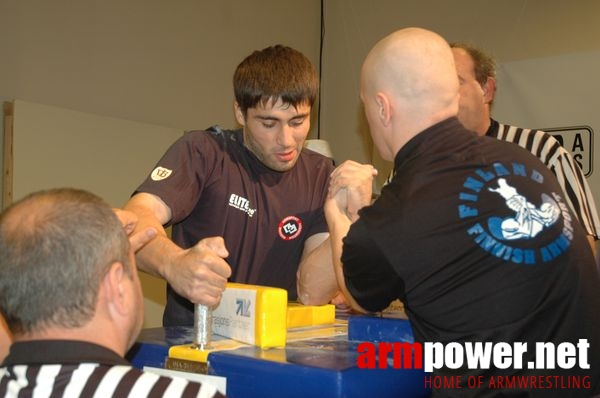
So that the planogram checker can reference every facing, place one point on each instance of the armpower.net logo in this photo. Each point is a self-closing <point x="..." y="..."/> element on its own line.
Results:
<point x="478" y="355"/>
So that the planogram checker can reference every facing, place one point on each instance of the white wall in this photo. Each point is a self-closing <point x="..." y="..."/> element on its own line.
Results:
<point x="168" y="63"/>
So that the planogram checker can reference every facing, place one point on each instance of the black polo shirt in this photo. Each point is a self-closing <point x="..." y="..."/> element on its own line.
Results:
<point x="474" y="236"/>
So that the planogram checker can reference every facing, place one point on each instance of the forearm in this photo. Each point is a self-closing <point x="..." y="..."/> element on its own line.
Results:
<point x="198" y="273"/>
<point x="157" y="255"/>
<point x="350" y="190"/>
<point x="316" y="282"/>
<point x="339" y="226"/>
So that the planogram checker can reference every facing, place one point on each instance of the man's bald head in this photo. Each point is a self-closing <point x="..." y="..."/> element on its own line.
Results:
<point x="415" y="64"/>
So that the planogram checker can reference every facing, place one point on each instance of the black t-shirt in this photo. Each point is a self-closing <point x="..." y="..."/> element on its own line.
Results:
<point x="474" y="236"/>
<point x="216" y="187"/>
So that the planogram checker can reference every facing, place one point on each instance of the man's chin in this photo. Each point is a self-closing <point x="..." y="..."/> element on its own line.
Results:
<point x="282" y="167"/>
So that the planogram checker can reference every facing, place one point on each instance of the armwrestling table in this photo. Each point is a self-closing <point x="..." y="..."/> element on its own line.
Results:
<point x="318" y="361"/>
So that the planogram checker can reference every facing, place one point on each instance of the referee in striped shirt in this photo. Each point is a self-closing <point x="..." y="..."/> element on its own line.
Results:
<point x="477" y="76"/>
<point x="72" y="299"/>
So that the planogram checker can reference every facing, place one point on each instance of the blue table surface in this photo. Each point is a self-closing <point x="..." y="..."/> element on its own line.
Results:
<point x="315" y="367"/>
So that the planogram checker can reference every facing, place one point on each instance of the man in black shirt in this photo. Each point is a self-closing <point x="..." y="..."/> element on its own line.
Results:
<point x="246" y="205"/>
<point x="472" y="234"/>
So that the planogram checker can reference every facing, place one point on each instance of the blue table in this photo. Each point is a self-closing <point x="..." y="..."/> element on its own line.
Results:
<point x="316" y="362"/>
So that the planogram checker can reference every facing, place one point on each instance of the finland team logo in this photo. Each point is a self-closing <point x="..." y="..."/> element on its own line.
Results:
<point x="528" y="220"/>
<point x="512" y="235"/>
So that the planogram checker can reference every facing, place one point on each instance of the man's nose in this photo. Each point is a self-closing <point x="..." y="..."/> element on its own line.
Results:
<point x="285" y="137"/>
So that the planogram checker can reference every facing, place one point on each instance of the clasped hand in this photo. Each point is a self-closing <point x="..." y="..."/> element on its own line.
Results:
<point x="351" y="188"/>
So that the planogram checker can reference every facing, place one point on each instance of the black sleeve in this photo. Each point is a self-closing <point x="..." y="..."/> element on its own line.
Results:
<point x="369" y="277"/>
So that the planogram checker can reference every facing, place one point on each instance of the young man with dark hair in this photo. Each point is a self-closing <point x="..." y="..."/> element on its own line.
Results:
<point x="245" y="205"/>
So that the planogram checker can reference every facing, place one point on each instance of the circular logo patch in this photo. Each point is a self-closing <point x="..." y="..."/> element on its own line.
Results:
<point x="290" y="227"/>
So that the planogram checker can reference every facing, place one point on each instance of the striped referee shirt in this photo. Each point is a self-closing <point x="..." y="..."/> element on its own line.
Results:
<point x="561" y="163"/>
<point x="60" y="368"/>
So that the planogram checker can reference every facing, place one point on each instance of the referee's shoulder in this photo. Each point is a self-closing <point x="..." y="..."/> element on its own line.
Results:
<point x="159" y="386"/>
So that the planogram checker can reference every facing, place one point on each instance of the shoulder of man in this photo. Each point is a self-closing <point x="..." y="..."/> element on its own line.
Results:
<point x="215" y="132"/>
<point x="539" y="142"/>
<point x="221" y="138"/>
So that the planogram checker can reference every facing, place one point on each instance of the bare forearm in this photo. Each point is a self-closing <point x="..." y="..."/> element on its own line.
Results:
<point x="350" y="190"/>
<point x="198" y="273"/>
<point x="316" y="281"/>
<point x="338" y="229"/>
<point x="155" y="256"/>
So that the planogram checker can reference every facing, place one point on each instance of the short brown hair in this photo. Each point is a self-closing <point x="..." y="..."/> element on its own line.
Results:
<point x="274" y="73"/>
<point x="56" y="247"/>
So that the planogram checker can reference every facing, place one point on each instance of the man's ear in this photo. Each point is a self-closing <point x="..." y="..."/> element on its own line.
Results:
<point x="489" y="90"/>
<point x="384" y="108"/>
<point x="239" y="115"/>
<point x="115" y="288"/>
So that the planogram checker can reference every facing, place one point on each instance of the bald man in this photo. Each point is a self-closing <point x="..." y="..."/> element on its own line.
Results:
<point x="472" y="234"/>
